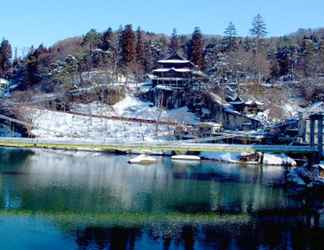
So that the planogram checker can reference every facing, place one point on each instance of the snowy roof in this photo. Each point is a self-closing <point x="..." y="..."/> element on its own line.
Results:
<point x="236" y="103"/>
<point x="174" y="58"/>
<point x="174" y="61"/>
<point x="182" y="70"/>
<point x="249" y="103"/>
<point x="161" y="70"/>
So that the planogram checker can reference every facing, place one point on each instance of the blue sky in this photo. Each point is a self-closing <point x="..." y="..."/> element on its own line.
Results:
<point x="27" y="22"/>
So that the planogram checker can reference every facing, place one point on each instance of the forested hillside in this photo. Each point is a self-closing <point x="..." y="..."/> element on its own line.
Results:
<point x="133" y="53"/>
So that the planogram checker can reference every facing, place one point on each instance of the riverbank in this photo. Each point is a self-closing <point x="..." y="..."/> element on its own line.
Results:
<point x="215" y="152"/>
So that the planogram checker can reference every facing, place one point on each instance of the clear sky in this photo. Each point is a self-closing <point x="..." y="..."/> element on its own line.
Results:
<point x="27" y="22"/>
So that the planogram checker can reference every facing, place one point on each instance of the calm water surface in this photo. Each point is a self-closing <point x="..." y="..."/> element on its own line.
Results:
<point x="61" y="200"/>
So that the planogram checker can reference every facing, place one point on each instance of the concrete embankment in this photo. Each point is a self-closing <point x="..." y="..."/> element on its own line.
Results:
<point x="150" y="147"/>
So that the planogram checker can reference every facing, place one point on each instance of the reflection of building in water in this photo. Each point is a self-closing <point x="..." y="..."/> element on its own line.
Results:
<point x="91" y="182"/>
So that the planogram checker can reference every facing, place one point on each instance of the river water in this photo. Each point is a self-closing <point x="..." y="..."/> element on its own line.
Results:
<point x="77" y="200"/>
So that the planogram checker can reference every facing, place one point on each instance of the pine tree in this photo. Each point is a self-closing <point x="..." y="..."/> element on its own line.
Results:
<point x="230" y="36"/>
<point x="174" y="42"/>
<point x="196" y="50"/>
<point x="259" y="28"/>
<point x="128" y="46"/>
<point x="5" y="58"/>
<point x="259" y="31"/>
<point x="148" y="62"/>
<point x="107" y="39"/>
<point x="92" y="39"/>
<point x="139" y="47"/>
<point x="33" y="72"/>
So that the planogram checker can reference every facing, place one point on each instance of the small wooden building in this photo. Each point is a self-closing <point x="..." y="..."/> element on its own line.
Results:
<point x="209" y="129"/>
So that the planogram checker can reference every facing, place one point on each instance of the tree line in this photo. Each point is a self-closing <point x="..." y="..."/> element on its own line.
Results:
<point x="127" y="51"/>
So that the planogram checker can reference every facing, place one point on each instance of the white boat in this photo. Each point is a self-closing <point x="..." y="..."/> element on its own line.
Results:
<point x="185" y="158"/>
<point x="142" y="159"/>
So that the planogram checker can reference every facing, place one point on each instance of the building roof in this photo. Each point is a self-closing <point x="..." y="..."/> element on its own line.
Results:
<point x="178" y="65"/>
<point x="174" y="58"/>
<point x="173" y="61"/>
<point x="254" y="103"/>
<point x="181" y="70"/>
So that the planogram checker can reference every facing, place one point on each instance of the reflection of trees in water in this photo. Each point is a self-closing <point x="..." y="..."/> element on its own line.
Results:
<point x="110" y="238"/>
<point x="130" y="238"/>
<point x="262" y="234"/>
<point x="277" y="233"/>
<point x="11" y="159"/>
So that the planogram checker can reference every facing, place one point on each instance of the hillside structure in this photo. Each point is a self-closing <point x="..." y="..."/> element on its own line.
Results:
<point x="174" y="78"/>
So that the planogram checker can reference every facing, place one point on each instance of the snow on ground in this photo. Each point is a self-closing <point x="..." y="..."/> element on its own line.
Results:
<point x="263" y="117"/>
<point x="315" y="108"/>
<point x="222" y="157"/>
<point x="278" y="160"/>
<point x="51" y="124"/>
<point x="132" y="107"/>
<point x="269" y="159"/>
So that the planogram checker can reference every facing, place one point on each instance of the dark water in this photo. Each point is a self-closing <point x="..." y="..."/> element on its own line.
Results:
<point x="59" y="200"/>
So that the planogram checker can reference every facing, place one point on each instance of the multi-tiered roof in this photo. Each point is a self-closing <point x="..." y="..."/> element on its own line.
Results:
<point x="176" y="71"/>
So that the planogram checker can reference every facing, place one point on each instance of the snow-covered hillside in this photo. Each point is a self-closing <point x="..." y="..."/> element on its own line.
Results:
<point x="50" y="124"/>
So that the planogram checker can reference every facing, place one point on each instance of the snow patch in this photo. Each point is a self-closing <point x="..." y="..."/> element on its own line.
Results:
<point x="51" y="124"/>
<point x="269" y="159"/>
<point x="223" y="157"/>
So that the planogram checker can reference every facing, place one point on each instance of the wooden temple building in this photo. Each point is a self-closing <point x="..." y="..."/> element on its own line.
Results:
<point x="174" y="79"/>
<point x="178" y="82"/>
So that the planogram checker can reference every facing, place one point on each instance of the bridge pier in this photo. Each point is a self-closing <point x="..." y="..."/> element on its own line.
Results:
<point x="317" y="119"/>
<point x="320" y="135"/>
<point x="312" y="132"/>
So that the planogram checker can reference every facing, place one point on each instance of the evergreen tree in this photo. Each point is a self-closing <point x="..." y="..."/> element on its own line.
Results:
<point x="37" y="65"/>
<point x="128" y="46"/>
<point x="148" y="57"/>
<point x="119" y="43"/>
<point x="5" y="58"/>
<point x="196" y="50"/>
<point x="259" y="28"/>
<point x="92" y="39"/>
<point x="107" y="39"/>
<point x="139" y="47"/>
<point x="174" y="42"/>
<point x="230" y="36"/>
<point x="259" y="31"/>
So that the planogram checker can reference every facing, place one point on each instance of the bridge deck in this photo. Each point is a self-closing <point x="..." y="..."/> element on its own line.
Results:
<point x="149" y="147"/>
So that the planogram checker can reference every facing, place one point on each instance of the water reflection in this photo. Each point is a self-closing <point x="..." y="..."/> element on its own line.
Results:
<point x="54" y="183"/>
<point x="261" y="235"/>
<point x="89" y="182"/>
